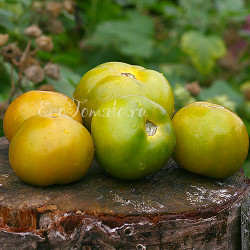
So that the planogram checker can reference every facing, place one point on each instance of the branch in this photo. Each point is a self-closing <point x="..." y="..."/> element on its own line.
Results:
<point x="20" y="64"/>
<point x="13" y="87"/>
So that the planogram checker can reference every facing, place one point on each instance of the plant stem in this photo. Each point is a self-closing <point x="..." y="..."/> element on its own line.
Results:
<point x="20" y="64"/>
<point x="12" y="81"/>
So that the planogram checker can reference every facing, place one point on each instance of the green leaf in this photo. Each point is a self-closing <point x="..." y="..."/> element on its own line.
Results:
<point x="5" y="19"/>
<point x="131" y="37"/>
<point x="107" y="10"/>
<point x="4" y="81"/>
<point x="247" y="123"/>
<point x="246" y="167"/>
<point x="195" y="13"/>
<point x="203" y="50"/>
<point x="182" y="96"/>
<point x="170" y="10"/>
<point x="219" y="88"/>
<point x="143" y="3"/>
<point x="230" y="6"/>
<point x="70" y="58"/>
<point x="67" y="83"/>
<point x="178" y="69"/>
<point x="1" y="128"/>
<point x="223" y="100"/>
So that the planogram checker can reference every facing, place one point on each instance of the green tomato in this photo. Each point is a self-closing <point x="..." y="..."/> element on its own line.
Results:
<point x="210" y="140"/>
<point x="133" y="136"/>
<point x="113" y="80"/>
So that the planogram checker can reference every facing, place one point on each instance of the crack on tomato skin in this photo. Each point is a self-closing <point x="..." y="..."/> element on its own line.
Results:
<point x="150" y="128"/>
<point x="128" y="75"/>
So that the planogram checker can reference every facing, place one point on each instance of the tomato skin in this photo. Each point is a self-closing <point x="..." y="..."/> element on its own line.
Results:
<point x="37" y="102"/>
<point x="51" y="150"/>
<point x="112" y="80"/>
<point x="210" y="140"/>
<point x="124" y="148"/>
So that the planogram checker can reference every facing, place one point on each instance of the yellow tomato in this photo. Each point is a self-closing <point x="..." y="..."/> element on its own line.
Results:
<point x="112" y="80"/>
<point x="210" y="140"/>
<point x="35" y="102"/>
<point x="51" y="150"/>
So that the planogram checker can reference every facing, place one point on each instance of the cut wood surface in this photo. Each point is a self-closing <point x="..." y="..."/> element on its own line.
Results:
<point x="172" y="209"/>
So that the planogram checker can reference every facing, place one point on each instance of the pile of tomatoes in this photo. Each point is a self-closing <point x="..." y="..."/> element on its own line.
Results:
<point x="123" y="114"/>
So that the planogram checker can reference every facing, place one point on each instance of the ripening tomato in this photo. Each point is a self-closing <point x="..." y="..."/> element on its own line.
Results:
<point x="51" y="150"/>
<point x="35" y="102"/>
<point x="112" y="80"/>
<point x="210" y="140"/>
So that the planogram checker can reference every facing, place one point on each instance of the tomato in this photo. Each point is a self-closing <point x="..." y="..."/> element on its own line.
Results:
<point x="210" y="140"/>
<point x="133" y="136"/>
<point x="51" y="150"/>
<point x="112" y="80"/>
<point x="35" y="102"/>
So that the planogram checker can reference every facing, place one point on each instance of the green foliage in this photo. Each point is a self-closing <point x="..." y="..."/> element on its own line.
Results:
<point x="221" y="88"/>
<point x="182" y="96"/>
<point x="1" y="129"/>
<point x="246" y="167"/>
<point x="5" y="21"/>
<point x="4" y="82"/>
<point x="202" y="50"/>
<point x="246" y="113"/>
<point x="212" y="16"/>
<point x="132" y="36"/>
<point x="229" y="7"/>
<point x="67" y="83"/>
<point x="191" y="17"/>
<point x="223" y="100"/>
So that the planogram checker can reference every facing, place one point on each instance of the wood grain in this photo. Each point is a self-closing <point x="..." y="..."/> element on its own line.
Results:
<point x="172" y="209"/>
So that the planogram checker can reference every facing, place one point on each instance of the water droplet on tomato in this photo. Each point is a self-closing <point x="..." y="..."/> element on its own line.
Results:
<point x="134" y="126"/>
<point x="142" y="166"/>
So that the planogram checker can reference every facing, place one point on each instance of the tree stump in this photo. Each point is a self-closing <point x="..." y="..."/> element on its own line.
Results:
<point x="172" y="209"/>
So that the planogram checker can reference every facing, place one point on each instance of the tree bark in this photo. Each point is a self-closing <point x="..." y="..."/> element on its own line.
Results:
<point x="171" y="209"/>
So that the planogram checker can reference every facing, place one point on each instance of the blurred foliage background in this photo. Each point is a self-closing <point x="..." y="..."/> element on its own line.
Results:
<point x="202" y="47"/>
